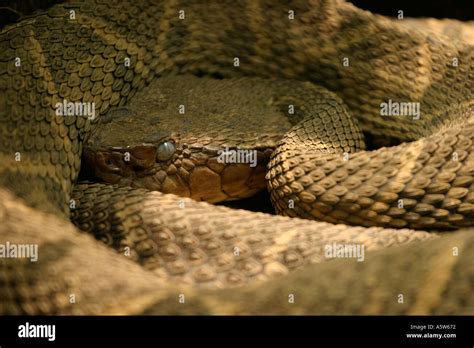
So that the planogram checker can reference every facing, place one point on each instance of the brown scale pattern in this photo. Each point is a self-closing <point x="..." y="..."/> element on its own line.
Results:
<point x="72" y="274"/>
<point x="167" y="235"/>
<point x="439" y="284"/>
<point x="61" y="58"/>
<point x="83" y="59"/>
<point x="74" y="264"/>
<point x="424" y="184"/>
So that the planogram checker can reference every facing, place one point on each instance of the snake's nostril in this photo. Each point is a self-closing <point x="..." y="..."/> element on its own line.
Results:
<point x="106" y="163"/>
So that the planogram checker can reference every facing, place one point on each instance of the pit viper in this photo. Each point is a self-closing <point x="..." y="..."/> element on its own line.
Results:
<point x="194" y="256"/>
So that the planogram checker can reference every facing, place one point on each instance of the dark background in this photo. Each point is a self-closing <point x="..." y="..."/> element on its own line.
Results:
<point x="457" y="9"/>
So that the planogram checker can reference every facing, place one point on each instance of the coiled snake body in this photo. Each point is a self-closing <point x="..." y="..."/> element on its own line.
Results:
<point x="104" y="52"/>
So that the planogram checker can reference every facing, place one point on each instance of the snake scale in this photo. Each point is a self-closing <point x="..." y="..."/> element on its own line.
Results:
<point x="193" y="255"/>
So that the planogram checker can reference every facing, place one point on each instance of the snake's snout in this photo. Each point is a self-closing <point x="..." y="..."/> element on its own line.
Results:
<point x="116" y="163"/>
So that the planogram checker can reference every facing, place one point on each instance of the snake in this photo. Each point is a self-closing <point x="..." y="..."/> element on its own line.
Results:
<point x="334" y="64"/>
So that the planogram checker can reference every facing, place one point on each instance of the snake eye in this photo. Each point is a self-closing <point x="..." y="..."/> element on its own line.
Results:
<point x="165" y="151"/>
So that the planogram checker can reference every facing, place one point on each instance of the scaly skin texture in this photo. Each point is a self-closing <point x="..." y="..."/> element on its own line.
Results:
<point x="423" y="279"/>
<point x="168" y="235"/>
<point x="424" y="184"/>
<point x="452" y="29"/>
<point x="71" y="263"/>
<point x="54" y="56"/>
